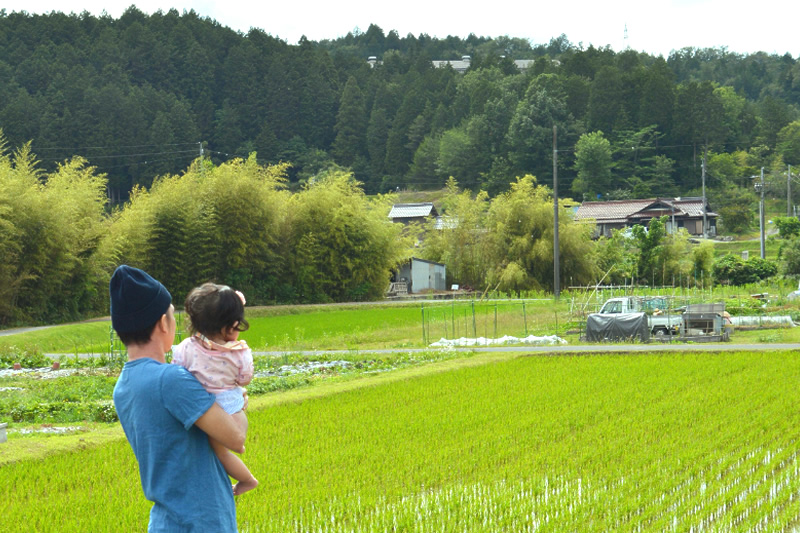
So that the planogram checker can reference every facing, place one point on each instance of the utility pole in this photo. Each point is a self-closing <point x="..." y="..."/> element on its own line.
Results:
<point x="789" y="192"/>
<point x="705" y="222"/>
<point x="556" y="273"/>
<point x="760" y="188"/>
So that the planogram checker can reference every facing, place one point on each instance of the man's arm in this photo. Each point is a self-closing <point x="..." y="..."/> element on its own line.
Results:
<point x="223" y="428"/>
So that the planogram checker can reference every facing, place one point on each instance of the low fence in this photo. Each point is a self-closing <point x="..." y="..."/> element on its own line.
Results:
<point x="496" y="318"/>
<point x="491" y="319"/>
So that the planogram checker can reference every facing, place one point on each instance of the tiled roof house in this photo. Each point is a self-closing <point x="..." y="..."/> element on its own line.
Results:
<point x="618" y="214"/>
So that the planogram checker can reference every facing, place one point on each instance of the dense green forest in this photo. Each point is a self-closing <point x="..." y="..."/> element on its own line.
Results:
<point x="103" y="123"/>
<point x="143" y="95"/>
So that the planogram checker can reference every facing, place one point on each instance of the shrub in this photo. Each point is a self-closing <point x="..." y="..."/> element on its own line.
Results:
<point x="732" y="270"/>
<point x="790" y="257"/>
<point x="787" y="227"/>
<point x="27" y="357"/>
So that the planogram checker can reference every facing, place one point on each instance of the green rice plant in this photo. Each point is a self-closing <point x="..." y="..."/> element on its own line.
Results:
<point x="634" y="433"/>
<point x="364" y="326"/>
<point x="646" y="442"/>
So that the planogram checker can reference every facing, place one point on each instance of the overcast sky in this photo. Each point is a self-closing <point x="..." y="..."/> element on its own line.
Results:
<point x="655" y="27"/>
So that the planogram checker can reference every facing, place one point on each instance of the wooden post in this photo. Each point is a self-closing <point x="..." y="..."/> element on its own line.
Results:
<point x="474" y="324"/>
<point x="525" y="317"/>
<point x="3" y="436"/>
<point x="422" y="308"/>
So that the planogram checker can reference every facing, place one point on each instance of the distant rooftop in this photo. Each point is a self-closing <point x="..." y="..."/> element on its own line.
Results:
<point x="622" y="210"/>
<point x="413" y="210"/>
<point x="460" y="65"/>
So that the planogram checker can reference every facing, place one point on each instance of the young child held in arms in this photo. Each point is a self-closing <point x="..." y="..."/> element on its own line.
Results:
<point x="220" y="362"/>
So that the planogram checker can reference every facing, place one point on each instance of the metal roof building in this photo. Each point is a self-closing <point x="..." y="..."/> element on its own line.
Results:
<point x="415" y="212"/>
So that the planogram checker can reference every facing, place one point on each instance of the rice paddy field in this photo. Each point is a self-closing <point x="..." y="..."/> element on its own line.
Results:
<point x="692" y="441"/>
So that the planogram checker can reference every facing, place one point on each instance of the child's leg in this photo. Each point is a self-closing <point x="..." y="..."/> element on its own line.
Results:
<point x="234" y="466"/>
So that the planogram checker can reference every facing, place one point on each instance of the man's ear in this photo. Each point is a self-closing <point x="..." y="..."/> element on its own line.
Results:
<point x="163" y="322"/>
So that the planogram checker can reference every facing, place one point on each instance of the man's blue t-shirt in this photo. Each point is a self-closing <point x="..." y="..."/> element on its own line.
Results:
<point x="158" y="405"/>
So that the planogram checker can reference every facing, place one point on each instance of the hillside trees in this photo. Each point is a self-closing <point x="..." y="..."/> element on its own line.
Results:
<point x="788" y="145"/>
<point x="350" y="141"/>
<point x="593" y="163"/>
<point x="530" y="132"/>
<point x="736" y="208"/>
<point x="136" y="96"/>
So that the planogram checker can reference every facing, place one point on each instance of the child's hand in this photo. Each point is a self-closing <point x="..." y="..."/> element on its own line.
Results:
<point x="246" y="399"/>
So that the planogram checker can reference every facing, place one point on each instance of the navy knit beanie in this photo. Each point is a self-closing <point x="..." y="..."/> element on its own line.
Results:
<point x="137" y="300"/>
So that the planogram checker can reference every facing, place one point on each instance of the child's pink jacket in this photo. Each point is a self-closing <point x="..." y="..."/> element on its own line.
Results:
<point x="218" y="367"/>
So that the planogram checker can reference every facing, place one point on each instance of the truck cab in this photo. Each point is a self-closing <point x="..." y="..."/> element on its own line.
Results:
<point x="660" y="325"/>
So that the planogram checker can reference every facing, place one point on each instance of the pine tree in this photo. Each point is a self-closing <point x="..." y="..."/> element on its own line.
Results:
<point x="351" y="125"/>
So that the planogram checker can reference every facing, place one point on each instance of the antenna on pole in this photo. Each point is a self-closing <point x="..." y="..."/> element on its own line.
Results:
<point x="625" y="44"/>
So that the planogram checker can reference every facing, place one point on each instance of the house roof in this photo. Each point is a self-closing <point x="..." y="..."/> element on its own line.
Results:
<point x="461" y="65"/>
<point x="620" y="211"/>
<point x="417" y="210"/>
<point x="524" y="64"/>
<point x="692" y="206"/>
<point x="615" y="209"/>
<point x="428" y="261"/>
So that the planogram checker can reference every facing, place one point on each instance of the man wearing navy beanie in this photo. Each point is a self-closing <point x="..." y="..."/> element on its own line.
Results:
<point x="168" y="416"/>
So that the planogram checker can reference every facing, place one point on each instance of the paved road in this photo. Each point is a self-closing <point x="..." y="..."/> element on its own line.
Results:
<point x="14" y="331"/>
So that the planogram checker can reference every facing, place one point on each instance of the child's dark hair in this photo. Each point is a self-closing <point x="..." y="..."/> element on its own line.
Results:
<point x="212" y="308"/>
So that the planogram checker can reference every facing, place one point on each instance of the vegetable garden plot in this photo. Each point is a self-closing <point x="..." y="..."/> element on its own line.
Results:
<point x="703" y="442"/>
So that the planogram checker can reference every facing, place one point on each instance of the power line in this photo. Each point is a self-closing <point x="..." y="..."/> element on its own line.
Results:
<point x="142" y="163"/>
<point x="143" y="154"/>
<point x="116" y="147"/>
<point x="92" y="158"/>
